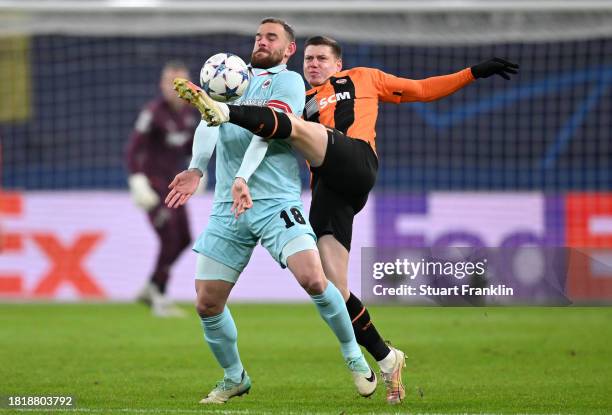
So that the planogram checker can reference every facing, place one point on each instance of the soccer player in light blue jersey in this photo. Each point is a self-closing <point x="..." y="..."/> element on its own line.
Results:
<point x="277" y="220"/>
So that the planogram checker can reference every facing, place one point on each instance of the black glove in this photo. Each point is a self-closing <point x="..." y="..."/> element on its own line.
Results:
<point x="494" y="66"/>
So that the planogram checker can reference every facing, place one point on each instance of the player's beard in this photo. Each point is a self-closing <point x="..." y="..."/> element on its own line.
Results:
<point x="274" y="58"/>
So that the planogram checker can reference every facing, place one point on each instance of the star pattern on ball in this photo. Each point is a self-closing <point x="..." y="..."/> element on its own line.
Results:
<point x="219" y="70"/>
<point x="224" y="77"/>
<point x="230" y="93"/>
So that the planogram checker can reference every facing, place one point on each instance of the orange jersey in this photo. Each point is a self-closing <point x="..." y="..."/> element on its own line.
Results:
<point x="348" y="101"/>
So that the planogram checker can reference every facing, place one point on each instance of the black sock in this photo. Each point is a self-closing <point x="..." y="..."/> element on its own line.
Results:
<point x="263" y="121"/>
<point x="365" y="332"/>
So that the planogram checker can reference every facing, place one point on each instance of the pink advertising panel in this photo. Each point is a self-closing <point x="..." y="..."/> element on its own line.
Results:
<point x="74" y="246"/>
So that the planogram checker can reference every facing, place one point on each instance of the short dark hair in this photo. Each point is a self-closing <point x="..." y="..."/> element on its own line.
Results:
<point x="327" y="41"/>
<point x="288" y="29"/>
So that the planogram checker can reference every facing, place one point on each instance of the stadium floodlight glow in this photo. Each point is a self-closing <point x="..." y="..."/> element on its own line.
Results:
<point x="134" y="3"/>
<point x="311" y="7"/>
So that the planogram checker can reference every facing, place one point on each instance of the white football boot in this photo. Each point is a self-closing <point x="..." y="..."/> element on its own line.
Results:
<point x="227" y="389"/>
<point x="163" y="307"/>
<point x="363" y="376"/>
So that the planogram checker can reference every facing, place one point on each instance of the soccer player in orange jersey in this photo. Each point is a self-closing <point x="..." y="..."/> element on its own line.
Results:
<point x="337" y="137"/>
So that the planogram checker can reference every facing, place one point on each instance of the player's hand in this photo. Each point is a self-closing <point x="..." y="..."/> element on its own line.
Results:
<point x="495" y="66"/>
<point x="241" y="196"/>
<point x="182" y="187"/>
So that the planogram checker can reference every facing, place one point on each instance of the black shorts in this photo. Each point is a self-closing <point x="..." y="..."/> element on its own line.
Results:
<point x="340" y="186"/>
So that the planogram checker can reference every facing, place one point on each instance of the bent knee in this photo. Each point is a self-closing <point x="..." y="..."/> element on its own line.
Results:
<point x="313" y="284"/>
<point x="208" y="307"/>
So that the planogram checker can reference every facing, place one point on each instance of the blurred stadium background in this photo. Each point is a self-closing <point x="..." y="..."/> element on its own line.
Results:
<point x="499" y="164"/>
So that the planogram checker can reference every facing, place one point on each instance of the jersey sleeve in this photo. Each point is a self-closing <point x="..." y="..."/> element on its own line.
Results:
<point x="204" y="142"/>
<point x="288" y="93"/>
<point x="394" y="89"/>
<point x="253" y="157"/>
<point x="189" y="144"/>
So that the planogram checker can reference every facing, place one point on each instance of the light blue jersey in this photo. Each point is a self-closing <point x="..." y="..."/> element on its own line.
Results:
<point x="277" y="177"/>
<point x="277" y="216"/>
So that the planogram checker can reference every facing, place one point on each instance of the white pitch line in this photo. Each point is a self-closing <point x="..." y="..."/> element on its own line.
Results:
<point x="236" y="412"/>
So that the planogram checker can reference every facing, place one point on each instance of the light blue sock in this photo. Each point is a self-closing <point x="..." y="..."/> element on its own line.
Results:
<point x="222" y="337"/>
<point x="332" y="308"/>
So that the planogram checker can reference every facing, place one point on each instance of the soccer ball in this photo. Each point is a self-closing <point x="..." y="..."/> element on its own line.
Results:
<point x="224" y="77"/>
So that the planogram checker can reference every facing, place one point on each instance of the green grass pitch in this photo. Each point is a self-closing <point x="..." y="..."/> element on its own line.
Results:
<point x="116" y="358"/>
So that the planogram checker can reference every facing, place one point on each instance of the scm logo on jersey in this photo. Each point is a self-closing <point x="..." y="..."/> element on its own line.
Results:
<point x="339" y="96"/>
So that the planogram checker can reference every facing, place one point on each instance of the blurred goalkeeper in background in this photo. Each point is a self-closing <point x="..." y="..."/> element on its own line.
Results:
<point x="337" y="137"/>
<point x="158" y="147"/>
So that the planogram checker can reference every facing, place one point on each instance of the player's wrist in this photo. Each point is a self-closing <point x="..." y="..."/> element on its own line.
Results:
<point x="196" y="171"/>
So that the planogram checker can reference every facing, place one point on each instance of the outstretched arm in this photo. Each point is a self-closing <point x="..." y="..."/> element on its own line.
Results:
<point x="436" y="87"/>
<point x="397" y="89"/>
